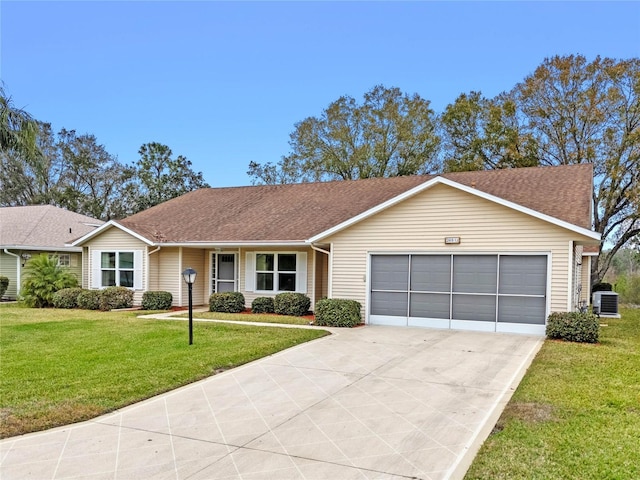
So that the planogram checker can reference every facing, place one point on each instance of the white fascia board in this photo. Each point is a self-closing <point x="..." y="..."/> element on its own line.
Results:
<point x="106" y="226"/>
<point x="300" y="243"/>
<point x="42" y="249"/>
<point x="445" y="181"/>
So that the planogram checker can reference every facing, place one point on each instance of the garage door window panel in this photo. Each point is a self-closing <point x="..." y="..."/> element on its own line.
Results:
<point x="392" y="304"/>
<point x="481" y="308"/>
<point x="522" y="274"/>
<point x="430" y="305"/>
<point x="390" y="272"/>
<point x="475" y="273"/>
<point x="431" y="273"/>
<point x="514" y="309"/>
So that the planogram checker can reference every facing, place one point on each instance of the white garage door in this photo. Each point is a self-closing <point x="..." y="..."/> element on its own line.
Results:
<point x="503" y="292"/>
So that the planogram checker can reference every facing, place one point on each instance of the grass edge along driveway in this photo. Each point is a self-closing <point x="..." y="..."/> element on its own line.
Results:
<point x="64" y="366"/>
<point x="576" y="413"/>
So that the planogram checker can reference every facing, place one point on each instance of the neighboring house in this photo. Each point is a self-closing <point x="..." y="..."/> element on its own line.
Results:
<point x="31" y="230"/>
<point x="493" y="250"/>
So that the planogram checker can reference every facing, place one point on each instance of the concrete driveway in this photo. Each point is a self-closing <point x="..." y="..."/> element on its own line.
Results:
<point x="367" y="403"/>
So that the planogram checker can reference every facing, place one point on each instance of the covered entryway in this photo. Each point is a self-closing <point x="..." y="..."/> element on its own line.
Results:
<point x="224" y="272"/>
<point x="487" y="292"/>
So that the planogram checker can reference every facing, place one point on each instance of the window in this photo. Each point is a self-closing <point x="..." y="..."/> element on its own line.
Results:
<point x="64" y="260"/>
<point x="117" y="269"/>
<point x="276" y="272"/>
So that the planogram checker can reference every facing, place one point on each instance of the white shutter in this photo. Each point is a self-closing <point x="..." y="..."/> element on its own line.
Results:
<point x="137" y="269"/>
<point x="250" y="272"/>
<point x="96" y="274"/>
<point x="301" y="272"/>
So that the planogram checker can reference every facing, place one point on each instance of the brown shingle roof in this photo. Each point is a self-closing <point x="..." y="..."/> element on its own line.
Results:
<point x="43" y="226"/>
<point x="297" y="212"/>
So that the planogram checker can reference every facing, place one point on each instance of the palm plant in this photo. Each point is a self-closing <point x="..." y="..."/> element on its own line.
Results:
<point x="44" y="277"/>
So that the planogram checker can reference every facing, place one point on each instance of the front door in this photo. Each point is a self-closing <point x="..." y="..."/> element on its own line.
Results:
<point x="223" y="272"/>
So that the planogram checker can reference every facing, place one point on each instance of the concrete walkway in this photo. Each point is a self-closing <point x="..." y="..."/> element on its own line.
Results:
<point x="365" y="403"/>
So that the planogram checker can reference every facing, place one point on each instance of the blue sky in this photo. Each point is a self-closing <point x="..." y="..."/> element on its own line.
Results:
<point x="223" y="83"/>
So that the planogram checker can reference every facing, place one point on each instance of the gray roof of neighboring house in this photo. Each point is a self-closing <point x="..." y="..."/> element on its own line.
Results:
<point x="295" y="212"/>
<point x="42" y="227"/>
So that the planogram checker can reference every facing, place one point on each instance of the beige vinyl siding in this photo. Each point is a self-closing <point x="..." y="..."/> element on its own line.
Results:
<point x="251" y="296"/>
<point x="115" y="239"/>
<point x="420" y="224"/>
<point x="164" y="272"/>
<point x="9" y="268"/>
<point x="194" y="258"/>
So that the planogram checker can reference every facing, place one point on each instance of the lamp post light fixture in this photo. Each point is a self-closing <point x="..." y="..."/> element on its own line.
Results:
<point x="189" y="276"/>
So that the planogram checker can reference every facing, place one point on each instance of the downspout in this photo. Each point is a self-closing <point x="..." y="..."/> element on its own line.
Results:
<point x="18" y="269"/>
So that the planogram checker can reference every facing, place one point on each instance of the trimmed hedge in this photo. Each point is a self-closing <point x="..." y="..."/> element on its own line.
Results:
<point x="157" y="300"/>
<point x="89" y="299"/>
<point x="263" y="305"/>
<point x="4" y="284"/>
<point x="227" y="302"/>
<point x="112" y="298"/>
<point x="337" y="312"/>
<point x="573" y="327"/>
<point x="67" y="297"/>
<point x="290" y="303"/>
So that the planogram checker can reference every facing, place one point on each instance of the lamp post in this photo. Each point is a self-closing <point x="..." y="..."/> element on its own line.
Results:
<point x="189" y="276"/>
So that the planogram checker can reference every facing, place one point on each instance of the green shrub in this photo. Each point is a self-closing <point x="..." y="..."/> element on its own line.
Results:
<point x="4" y="284"/>
<point x="289" y="303"/>
<point x="66" y="298"/>
<point x="157" y="300"/>
<point x="89" y="299"/>
<point x="43" y="278"/>
<point x="573" y="327"/>
<point x="227" y="302"/>
<point x="262" y="305"/>
<point x="337" y="312"/>
<point x="112" y="298"/>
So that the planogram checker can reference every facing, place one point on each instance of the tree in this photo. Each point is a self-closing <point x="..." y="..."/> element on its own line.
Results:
<point x="27" y="179"/>
<point x="482" y="134"/>
<point x="389" y="134"/>
<point x="18" y="130"/>
<point x="577" y="112"/>
<point x="70" y="171"/>
<point x="92" y="181"/>
<point x="161" y="177"/>
<point x="44" y="277"/>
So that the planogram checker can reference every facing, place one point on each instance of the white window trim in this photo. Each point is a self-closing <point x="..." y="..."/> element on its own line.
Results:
<point x="96" y="267"/>
<point x="251" y="272"/>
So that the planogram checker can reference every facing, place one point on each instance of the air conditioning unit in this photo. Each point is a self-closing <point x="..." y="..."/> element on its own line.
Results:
<point x="606" y="304"/>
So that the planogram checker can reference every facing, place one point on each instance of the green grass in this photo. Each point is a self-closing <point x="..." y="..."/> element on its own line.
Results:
<point x="575" y="415"/>
<point x="64" y="366"/>
<point x="250" y="317"/>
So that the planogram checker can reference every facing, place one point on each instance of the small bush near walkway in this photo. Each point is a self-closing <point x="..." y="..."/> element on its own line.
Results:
<point x="228" y="302"/>
<point x="157" y="300"/>
<point x="262" y="305"/>
<point x="573" y="327"/>
<point x="337" y="312"/>
<point x="290" y="303"/>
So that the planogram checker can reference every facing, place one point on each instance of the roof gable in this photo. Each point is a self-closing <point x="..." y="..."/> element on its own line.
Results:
<point x="42" y="226"/>
<point x="300" y="212"/>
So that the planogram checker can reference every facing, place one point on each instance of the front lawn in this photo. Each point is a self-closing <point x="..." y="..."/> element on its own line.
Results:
<point x="63" y="366"/>
<point x="575" y="415"/>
